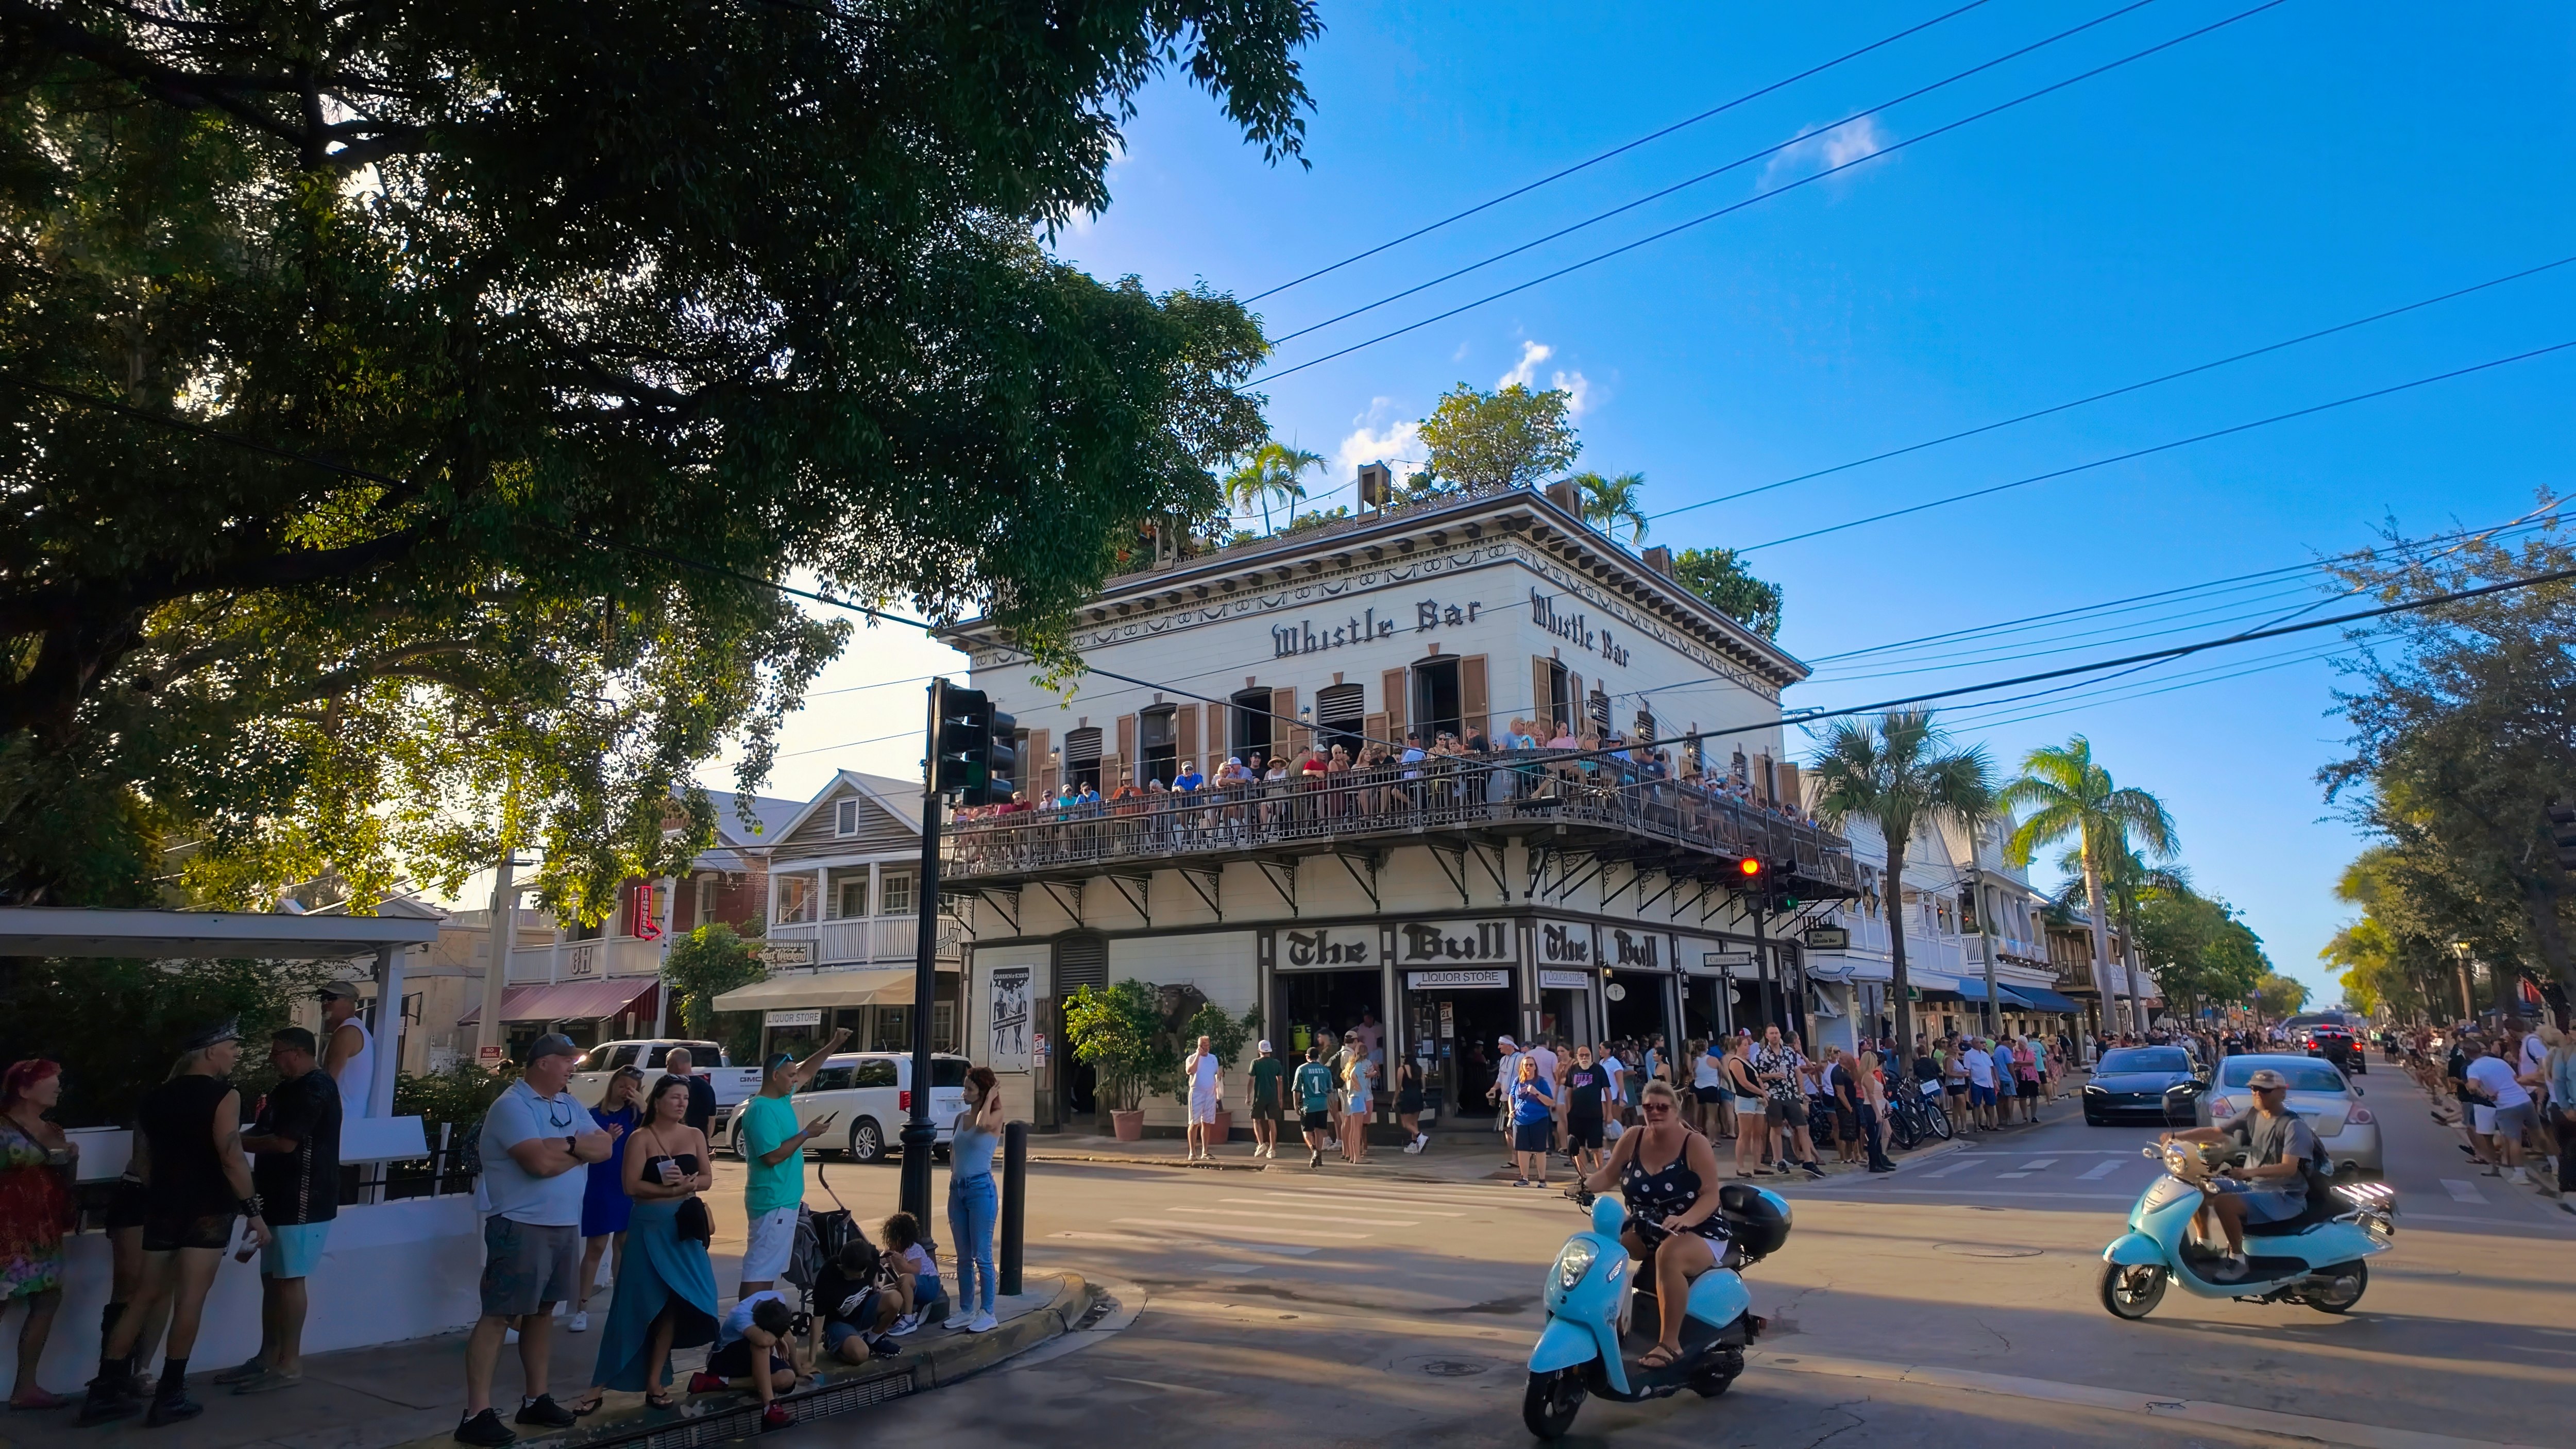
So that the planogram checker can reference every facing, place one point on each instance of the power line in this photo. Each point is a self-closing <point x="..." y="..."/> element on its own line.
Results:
<point x="1700" y="220"/>
<point x="1620" y="150"/>
<point x="1740" y="162"/>
<point x="2162" y="447"/>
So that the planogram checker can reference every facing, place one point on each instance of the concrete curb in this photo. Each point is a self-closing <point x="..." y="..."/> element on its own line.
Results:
<point x="711" y="1418"/>
<point x="1142" y="1160"/>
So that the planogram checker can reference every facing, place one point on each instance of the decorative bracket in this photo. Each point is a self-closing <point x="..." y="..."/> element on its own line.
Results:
<point x="1453" y="864"/>
<point x="1208" y="884"/>
<point x="1071" y="906"/>
<point x="1005" y="901"/>
<point x="1648" y="902"/>
<point x="1282" y="875"/>
<point x="1491" y="858"/>
<point x="1139" y="891"/>
<point x="1354" y="860"/>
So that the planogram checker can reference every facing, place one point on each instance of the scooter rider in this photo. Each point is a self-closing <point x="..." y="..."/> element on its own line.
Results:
<point x="1672" y="1207"/>
<point x="2273" y="1188"/>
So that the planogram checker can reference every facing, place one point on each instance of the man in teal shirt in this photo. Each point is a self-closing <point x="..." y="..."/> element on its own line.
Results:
<point x="1314" y="1087"/>
<point x="773" y="1149"/>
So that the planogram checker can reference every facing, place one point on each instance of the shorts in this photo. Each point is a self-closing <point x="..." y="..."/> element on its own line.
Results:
<point x="1791" y="1113"/>
<point x="295" y="1252"/>
<point x="1710" y="1096"/>
<point x="733" y="1361"/>
<point x="165" y="1231"/>
<point x="527" y="1266"/>
<point x="2512" y="1122"/>
<point x="928" y="1293"/>
<point x="1846" y="1122"/>
<point x="2003" y="1087"/>
<point x="837" y="1332"/>
<point x="1265" y="1111"/>
<point x="1583" y="1132"/>
<point x="1980" y="1096"/>
<point x="125" y="1206"/>
<point x="1203" y="1110"/>
<point x="1748" y="1106"/>
<point x="1315" y="1121"/>
<point x="2482" y="1120"/>
<point x="1533" y="1136"/>
<point x="768" y="1245"/>
<point x="2262" y="1207"/>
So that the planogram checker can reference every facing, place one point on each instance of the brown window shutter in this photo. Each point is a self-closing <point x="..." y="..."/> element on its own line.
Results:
<point x="1574" y="705"/>
<point x="1471" y="694"/>
<point x="1185" y="734"/>
<point x="1765" y="789"/>
<point x="1540" y="716"/>
<point x="1039" y="766"/>
<point x="1789" y="794"/>
<point x="1126" y="753"/>
<point x="1396" y="684"/>
<point x="1375" y="727"/>
<point x="1284" y="734"/>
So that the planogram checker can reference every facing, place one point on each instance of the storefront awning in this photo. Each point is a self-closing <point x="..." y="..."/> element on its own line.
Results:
<point x="1973" y="988"/>
<point x="867" y="986"/>
<point x="565" y="1001"/>
<point x="2043" y="999"/>
<point x="1927" y="983"/>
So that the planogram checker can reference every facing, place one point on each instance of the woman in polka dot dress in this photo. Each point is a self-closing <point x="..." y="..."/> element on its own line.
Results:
<point x="1668" y="1175"/>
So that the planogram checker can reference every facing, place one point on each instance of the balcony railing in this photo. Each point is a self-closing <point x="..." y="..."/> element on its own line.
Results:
<point x="858" y="939"/>
<point x="586" y="960"/>
<point x="1503" y="793"/>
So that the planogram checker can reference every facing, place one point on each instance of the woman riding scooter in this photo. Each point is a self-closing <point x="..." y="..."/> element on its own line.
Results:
<point x="1668" y="1175"/>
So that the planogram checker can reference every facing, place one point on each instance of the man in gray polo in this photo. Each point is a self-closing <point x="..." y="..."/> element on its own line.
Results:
<point x="532" y="1139"/>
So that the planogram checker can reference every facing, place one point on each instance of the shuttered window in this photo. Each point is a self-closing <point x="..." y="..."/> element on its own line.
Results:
<point x="1395" y="685"/>
<point x="1341" y="714"/>
<point x="1185" y="735"/>
<point x="1082" y="757"/>
<point x="1081" y="961"/>
<point x="1473" y="691"/>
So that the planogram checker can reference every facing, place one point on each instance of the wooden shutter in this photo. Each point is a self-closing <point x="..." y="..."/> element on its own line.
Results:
<point x="1471" y="695"/>
<point x="1542" y="709"/>
<point x="1037" y="768"/>
<point x="1285" y="737"/>
<point x="1126" y="754"/>
<point x="1789" y="794"/>
<point x="1765" y="789"/>
<point x="1574" y="705"/>
<point x="1375" y="728"/>
<point x="1395" y="684"/>
<point x="1185" y="734"/>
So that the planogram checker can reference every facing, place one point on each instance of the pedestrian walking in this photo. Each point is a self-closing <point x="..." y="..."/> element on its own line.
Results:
<point x="1586" y="1088"/>
<point x="1205" y="1074"/>
<point x="1980" y="1066"/>
<point x="348" y="1050"/>
<point x="197" y="1190"/>
<point x="1777" y="1064"/>
<point x="1752" y="1137"/>
<point x="973" y="1202"/>
<point x="1533" y="1118"/>
<point x="294" y="1148"/>
<point x="1408" y="1105"/>
<point x="1507" y="1075"/>
<point x="1708" y="1087"/>
<point x="665" y="1296"/>
<point x="533" y="1137"/>
<point x="1359" y="1102"/>
<point x="1314" y="1089"/>
<point x="2561" y="1062"/>
<point x="605" y="1205"/>
<point x="1872" y="1084"/>
<point x="773" y="1151"/>
<point x="1843" y="1094"/>
<point x="37" y="1167"/>
<point x="1265" y="1085"/>
<point x="683" y="1063"/>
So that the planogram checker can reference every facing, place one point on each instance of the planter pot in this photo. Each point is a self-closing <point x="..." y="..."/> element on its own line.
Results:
<point x="1128" y="1126"/>
<point x="1223" y="1130"/>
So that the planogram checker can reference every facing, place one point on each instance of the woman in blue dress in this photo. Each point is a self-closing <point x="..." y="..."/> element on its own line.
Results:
<point x="604" y="1203"/>
<point x="666" y="1289"/>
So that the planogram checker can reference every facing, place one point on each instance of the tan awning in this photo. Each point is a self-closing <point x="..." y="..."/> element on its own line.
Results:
<point x="862" y="986"/>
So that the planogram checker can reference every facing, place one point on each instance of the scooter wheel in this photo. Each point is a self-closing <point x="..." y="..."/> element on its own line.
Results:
<point x="1709" y="1386"/>
<point x="2341" y="1301"/>
<point x="1548" y="1406"/>
<point x="2132" y="1292"/>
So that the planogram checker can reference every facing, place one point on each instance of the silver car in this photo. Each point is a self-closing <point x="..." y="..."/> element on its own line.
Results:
<point x="2319" y="1092"/>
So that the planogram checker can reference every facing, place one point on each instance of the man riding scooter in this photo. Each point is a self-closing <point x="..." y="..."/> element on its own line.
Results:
<point x="1672" y="1208"/>
<point x="2279" y="1147"/>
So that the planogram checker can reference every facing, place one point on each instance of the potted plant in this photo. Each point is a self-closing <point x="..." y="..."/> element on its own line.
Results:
<point x="1114" y="1032"/>
<point x="1227" y="1037"/>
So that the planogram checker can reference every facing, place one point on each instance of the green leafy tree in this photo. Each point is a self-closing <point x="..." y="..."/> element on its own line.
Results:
<point x="1901" y="773"/>
<point x="2277" y="996"/>
<point x="1513" y="438"/>
<point x="2196" y="949"/>
<point x="117" y="1025"/>
<point x="703" y="965"/>
<point x="366" y="368"/>
<point x="1610" y="502"/>
<point x="2063" y="794"/>
<point x="1272" y="472"/>
<point x="1718" y="575"/>
<point x="1117" y="1033"/>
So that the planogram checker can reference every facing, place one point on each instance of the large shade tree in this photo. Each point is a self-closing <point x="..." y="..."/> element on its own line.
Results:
<point x="2063" y="794"/>
<point x="403" y="406"/>
<point x="1901" y="773"/>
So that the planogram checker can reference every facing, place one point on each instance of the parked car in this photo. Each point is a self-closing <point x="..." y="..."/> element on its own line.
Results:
<point x="872" y="1093"/>
<point x="734" y="1085"/>
<point x="2339" y="1047"/>
<point x="2329" y="1101"/>
<point x="2159" y="1085"/>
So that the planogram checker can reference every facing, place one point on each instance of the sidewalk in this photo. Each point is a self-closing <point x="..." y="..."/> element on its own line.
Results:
<point x="411" y="1394"/>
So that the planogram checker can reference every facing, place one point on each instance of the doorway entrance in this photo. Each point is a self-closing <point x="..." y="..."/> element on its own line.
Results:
<point x="1319" y="1006"/>
<point x="1452" y="1033"/>
<point x="1633" y="1003"/>
<point x="1437" y="709"/>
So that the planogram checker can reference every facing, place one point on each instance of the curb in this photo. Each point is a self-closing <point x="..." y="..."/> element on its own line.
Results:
<point x="735" y="1414"/>
<point x="1140" y="1160"/>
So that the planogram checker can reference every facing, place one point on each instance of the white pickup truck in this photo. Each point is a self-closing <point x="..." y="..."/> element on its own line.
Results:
<point x="734" y="1085"/>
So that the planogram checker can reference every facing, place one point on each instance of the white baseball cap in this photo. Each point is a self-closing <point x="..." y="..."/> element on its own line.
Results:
<point x="1264" y="1048"/>
<point x="1505" y="1040"/>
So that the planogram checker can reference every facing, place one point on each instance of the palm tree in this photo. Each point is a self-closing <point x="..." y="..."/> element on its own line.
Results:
<point x="1609" y="502"/>
<point x="1272" y="473"/>
<point x="2126" y="878"/>
<point x="2063" y="794"/>
<point x="1900" y="773"/>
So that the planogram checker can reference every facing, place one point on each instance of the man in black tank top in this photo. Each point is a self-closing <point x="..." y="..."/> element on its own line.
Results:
<point x="1585" y="1085"/>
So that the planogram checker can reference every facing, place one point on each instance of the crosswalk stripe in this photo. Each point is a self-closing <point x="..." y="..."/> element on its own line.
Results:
<point x="1320" y="1198"/>
<point x="2100" y="1170"/>
<point x="1273" y="1217"/>
<point x="2463" y="1191"/>
<point x="2012" y="1174"/>
<point x="1297" y="1250"/>
<point x="1956" y="1167"/>
<point x="2037" y="1164"/>
<point x="1229" y="1230"/>
<point x="1509" y="1197"/>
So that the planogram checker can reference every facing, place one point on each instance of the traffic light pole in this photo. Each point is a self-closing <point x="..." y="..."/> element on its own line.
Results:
<point x="919" y="1136"/>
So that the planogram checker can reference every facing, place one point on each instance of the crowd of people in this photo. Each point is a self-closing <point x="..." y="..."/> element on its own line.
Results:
<point x="2510" y="1088"/>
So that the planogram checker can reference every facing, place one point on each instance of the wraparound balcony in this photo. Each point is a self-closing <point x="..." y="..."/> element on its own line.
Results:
<point x="862" y="939"/>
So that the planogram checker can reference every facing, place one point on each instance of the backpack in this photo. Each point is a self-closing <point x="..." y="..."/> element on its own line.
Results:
<point x="819" y="1240"/>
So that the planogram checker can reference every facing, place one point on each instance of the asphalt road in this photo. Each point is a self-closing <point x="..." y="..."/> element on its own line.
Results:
<point x="1947" y="1304"/>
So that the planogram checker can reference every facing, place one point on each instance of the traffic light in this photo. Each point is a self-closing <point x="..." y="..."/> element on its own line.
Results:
<point x="965" y="745"/>
<point x="1001" y="760"/>
<point x="1785" y="885"/>
<point x="1752" y="868"/>
<point x="2562" y="833"/>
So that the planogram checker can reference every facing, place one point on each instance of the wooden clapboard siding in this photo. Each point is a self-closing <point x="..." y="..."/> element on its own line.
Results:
<point x="879" y="829"/>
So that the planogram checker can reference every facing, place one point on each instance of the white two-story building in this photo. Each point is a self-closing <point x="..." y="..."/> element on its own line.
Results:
<point x="1443" y="904"/>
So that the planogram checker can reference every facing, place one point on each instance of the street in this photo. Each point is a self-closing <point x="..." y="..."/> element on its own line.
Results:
<point x="1381" y="1309"/>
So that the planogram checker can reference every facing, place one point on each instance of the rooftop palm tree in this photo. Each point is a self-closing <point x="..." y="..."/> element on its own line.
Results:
<point x="2062" y="794"/>
<point x="1272" y="472"/>
<point x="1609" y="502"/>
<point x="1900" y="773"/>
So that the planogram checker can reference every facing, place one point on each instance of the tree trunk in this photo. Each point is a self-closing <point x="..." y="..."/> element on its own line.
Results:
<point x="2101" y="929"/>
<point x="1892" y="894"/>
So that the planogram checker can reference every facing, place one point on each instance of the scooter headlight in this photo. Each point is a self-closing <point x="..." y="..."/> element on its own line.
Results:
<point x="1574" y="1261"/>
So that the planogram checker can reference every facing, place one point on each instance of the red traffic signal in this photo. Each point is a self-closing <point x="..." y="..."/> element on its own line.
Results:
<point x="1751" y="866"/>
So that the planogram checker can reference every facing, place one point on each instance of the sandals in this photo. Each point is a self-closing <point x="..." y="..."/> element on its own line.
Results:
<point x="664" y="1400"/>
<point x="1658" y="1357"/>
<point x="581" y="1410"/>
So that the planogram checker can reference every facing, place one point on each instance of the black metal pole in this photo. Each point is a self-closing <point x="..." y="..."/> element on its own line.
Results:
<point x="918" y="1135"/>
<point x="1015" y="1204"/>
<point x="1765" y="973"/>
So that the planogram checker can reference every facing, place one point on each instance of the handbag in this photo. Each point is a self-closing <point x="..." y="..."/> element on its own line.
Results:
<point x="693" y="1222"/>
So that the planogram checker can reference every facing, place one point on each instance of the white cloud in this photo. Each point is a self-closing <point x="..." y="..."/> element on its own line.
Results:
<point x="1840" y="146"/>
<point x="1378" y="438"/>
<point x="1578" y="391"/>
<point x="1532" y="354"/>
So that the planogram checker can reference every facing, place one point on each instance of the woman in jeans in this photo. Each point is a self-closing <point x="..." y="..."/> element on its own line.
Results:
<point x="972" y="1202"/>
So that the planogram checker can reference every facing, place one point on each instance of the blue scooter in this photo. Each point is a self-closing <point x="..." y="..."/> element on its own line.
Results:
<point x="1595" y="1297"/>
<point x="2318" y="1258"/>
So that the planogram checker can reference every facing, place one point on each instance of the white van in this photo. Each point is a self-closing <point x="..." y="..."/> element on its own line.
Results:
<point x="872" y="1093"/>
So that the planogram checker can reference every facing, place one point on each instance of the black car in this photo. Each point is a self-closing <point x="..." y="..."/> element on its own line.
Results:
<point x="2338" y="1047"/>
<point x="2158" y="1085"/>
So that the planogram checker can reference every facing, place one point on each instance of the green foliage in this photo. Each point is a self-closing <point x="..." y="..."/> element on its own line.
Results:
<point x="1272" y="472"/>
<point x="1227" y="1037"/>
<point x="1117" y="1033"/>
<point x="456" y="1097"/>
<point x="543" y="292"/>
<point x="2196" y="949"/>
<point x="1610" y="502"/>
<point x="1718" y="575"/>
<point x="2278" y="996"/>
<point x="703" y="965"/>
<point x="2062" y="794"/>
<point x="116" y="1025"/>
<point x="1507" y="439"/>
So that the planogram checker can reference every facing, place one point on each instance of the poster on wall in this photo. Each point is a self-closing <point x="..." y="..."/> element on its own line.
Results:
<point x="1008" y="1050"/>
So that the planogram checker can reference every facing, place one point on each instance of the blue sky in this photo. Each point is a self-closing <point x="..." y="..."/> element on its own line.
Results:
<point x="2310" y="165"/>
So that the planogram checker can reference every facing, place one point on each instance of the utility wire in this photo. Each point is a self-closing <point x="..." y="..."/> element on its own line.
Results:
<point x="1620" y="150"/>
<point x="1738" y="163"/>
<point x="1675" y="230"/>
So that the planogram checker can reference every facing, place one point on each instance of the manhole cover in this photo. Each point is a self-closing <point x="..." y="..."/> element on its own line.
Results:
<point x="1985" y="1250"/>
<point x="1446" y="1366"/>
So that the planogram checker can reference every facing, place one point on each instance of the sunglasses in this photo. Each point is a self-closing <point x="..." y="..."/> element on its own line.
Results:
<point x="1653" y="1107"/>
